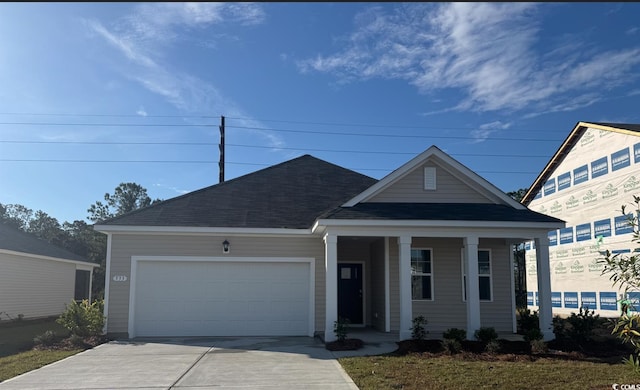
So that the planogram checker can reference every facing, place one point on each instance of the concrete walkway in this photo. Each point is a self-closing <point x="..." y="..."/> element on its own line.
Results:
<point x="207" y="363"/>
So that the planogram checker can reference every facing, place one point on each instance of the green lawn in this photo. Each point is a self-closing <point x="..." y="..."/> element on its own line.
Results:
<point x="17" y="336"/>
<point x="16" y="341"/>
<point x="416" y="371"/>
<point x="20" y="363"/>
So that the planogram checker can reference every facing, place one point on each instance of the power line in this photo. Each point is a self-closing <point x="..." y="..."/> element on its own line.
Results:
<point x="209" y="162"/>
<point x="260" y="147"/>
<point x="341" y="124"/>
<point x="275" y="130"/>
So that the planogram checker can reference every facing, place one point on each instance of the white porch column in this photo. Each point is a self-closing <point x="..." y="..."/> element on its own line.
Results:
<point x="472" y="286"/>
<point x="331" y="285"/>
<point x="406" y="315"/>
<point x="545" y="313"/>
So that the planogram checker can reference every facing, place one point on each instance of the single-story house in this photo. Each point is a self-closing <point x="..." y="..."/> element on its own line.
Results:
<point x="289" y="249"/>
<point x="38" y="279"/>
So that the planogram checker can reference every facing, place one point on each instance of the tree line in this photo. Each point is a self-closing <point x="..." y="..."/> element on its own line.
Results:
<point x="78" y="236"/>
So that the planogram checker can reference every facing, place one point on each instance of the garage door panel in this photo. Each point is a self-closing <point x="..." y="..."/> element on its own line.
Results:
<point x="182" y="298"/>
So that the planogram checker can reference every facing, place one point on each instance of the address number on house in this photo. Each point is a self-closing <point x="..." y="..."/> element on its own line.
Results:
<point x="119" y="278"/>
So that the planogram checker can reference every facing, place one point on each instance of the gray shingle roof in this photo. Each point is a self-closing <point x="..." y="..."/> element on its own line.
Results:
<point x="288" y="195"/>
<point x="438" y="212"/>
<point x="13" y="239"/>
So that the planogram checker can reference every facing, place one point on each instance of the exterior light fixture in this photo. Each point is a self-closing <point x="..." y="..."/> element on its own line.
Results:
<point x="225" y="246"/>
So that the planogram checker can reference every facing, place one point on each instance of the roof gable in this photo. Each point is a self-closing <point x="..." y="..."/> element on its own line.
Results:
<point x="569" y="143"/>
<point x="15" y="240"/>
<point x="408" y="178"/>
<point x="289" y="195"/>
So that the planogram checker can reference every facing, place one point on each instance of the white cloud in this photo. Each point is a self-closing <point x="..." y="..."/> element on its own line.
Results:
<point x="141" y="111"/>
<point x="485" y="130"/>
<point x="143" y="37"/>
<point x="485" y="50"/>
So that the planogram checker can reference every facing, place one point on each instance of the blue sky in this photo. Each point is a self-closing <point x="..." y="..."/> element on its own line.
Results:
<point x="87" y="89"/>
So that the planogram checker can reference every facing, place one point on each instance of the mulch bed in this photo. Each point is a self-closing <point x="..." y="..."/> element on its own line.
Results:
<point x="71" y="343"/>
<point x="606" y="351"/>
<point x="345" y="345"/>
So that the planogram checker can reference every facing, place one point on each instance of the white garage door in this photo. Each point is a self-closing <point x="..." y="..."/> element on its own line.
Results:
<point x="195" y="298"/>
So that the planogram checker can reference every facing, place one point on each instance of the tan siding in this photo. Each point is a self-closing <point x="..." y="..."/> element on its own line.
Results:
<point x="447" y="310"/>
<point x="126" y="246"/>
<point x="411" y="189"/>
<point x="377" y="285"/>
<point x="498" y="313"/>
<point x="35" y="287"/>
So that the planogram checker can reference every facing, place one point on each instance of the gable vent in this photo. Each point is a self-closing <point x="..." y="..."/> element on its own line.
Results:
<point x="430" y="178"/>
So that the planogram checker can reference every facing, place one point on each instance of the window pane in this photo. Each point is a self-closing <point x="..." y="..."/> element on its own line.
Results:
<point x="484" y="283"/>
<point x="484" y="264"/>
<point x="421" y="287"/>
<point x="420" y="261"/>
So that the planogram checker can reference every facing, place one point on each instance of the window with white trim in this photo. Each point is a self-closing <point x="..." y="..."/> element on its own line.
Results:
<point x="421" y="274"/>
<point x="484" y="276"/>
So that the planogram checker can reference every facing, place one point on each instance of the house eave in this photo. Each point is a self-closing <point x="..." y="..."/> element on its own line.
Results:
<point x="50" y="258"/>
<point x="323" y="224"/>
<point x="195" y="230"/>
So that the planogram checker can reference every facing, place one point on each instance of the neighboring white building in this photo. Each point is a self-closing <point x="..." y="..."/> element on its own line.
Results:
<point x="586" y="182"/>
<point x="38" y="279"/>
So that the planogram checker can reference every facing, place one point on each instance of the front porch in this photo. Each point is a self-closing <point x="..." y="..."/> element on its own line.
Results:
<point x="397" y="287"/>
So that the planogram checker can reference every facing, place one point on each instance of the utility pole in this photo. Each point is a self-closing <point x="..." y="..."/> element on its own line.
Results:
<point x="221" y="146"/>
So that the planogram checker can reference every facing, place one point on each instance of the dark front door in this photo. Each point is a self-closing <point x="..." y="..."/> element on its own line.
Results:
<point x="350" y="292"/>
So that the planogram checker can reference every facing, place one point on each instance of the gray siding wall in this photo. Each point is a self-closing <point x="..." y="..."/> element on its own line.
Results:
<point x="449" y="189"/>
<point x="448" y="309"/>
<point x="377" y="285"/>
<point x="125" y="246"/>
<point x="35" y="287"/>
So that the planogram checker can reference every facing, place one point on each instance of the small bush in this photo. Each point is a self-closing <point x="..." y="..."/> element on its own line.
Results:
<point x="486" y="334"/>
<point x="577" y="329"/>
<point x="48" y="338"/>
<point x="527" y="320"/>
<point x="417" y="330"/>
<point x="492" y="346"/>
<point x="340" y="328"/>
<point x="539" y="346"/>
<point x="76" y="341"/>
<point x="456" y="334"/>
<point x="451" y="345"/>
<point x="533" y="334"/>
<point x="84" y="318"/>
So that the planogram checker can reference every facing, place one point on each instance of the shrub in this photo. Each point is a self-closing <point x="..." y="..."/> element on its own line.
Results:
<point x="84" y="318"/>
<point x="577" y="329"/>
<point x="456" y="334"/>
<point x="493" y="346"/>
<point x="340" y="328"/>
<point x="76" y="341"/>
<point x="47" y="338"/>
<point x="539" y="346"/>
<point x="533" y="334"/>
<point x="452" y="345"/>
<point x="417" y="330"/>
<point x="486" y="334"/>
<point x="527" y="320"/>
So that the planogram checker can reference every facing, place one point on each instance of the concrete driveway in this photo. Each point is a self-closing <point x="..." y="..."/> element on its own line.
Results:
<point x="206" y="363"/>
